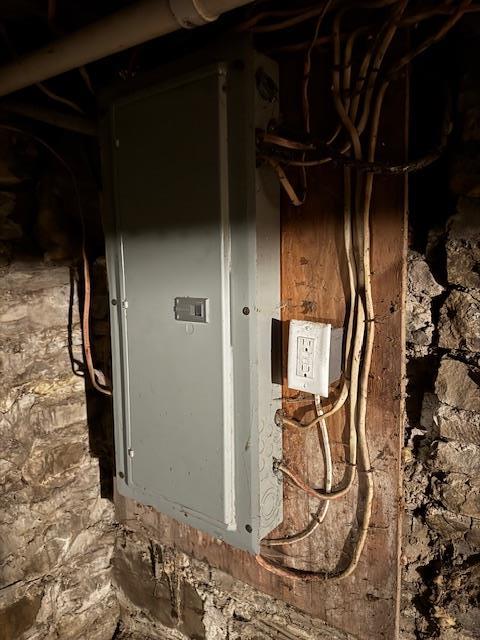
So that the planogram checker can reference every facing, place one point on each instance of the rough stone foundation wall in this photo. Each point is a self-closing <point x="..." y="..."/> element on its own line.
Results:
<point x="56" y="532"/>
<point x="442" y="456"/>
<point x="441" y="584"/>
<point x="166" y="595"/>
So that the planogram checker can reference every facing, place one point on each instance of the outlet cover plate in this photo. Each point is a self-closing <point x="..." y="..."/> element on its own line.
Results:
<point x="309" y="356"/>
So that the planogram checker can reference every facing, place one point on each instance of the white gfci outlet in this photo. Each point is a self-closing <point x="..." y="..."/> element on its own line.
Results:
<point x="309" y="356"/>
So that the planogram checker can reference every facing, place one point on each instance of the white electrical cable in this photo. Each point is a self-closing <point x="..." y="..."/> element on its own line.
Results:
<point x="321" y="512"/>
<point x="326" y="447"/>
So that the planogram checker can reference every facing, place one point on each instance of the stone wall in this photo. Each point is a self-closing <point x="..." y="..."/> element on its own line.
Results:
<point x="166" y="595"/>
<point x="442" y="455"/>
<point x="441" y="587"/>
<point x="56" y="531"/>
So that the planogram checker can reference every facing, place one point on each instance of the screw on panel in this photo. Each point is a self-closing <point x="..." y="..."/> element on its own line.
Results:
<point x="114" y="302"/>
<point x="121" y="474"/>
<point x="245" y="311"/>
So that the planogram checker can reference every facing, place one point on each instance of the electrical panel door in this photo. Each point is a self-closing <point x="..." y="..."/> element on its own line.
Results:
<point x="193" y="265"/>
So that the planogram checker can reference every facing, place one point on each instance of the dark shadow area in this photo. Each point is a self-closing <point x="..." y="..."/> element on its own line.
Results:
<point x="99" y="406"/>
<point x="44" y="169"/>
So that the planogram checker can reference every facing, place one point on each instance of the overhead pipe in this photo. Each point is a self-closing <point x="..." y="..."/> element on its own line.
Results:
<point x="139" y="22"/>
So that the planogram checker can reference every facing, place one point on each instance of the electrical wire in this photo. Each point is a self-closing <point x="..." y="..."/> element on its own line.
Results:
<point x="54" y="96"/>
<point x="94" y="374"/>
<point x="40" y="85"/>
<point x="367" y="100"/>
<point x="291" y="22"/>
<point x="248" y="25"/>
<point x="407" y="21"/>
<point x="338" y="404"/>
<point x="322" y="510"/>
<point x="307" y="68"/>
<point x="284" y="181"/>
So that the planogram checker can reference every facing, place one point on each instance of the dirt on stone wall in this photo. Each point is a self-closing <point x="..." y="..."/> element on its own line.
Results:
<point x="166" y="595"/>
<point x="441" y="587"/>
<point x="56" y="530"/>
<point x="441" y="579"/>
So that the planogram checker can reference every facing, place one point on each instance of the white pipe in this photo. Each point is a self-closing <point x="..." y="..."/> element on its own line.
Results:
<point x="140" y="22"/>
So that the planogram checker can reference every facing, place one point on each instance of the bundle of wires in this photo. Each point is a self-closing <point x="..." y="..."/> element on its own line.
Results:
<point x="358" y="93"/>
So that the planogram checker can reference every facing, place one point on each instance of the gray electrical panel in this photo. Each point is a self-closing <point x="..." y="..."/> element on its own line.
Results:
<point x="193" y="264"/>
